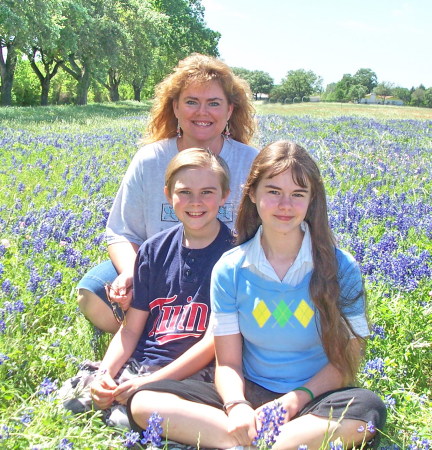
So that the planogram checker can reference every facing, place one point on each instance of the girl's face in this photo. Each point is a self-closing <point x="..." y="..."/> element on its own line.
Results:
<point x="281" y="203"/>
<point x="196" y="196"/>
<point x="202" y="111"/>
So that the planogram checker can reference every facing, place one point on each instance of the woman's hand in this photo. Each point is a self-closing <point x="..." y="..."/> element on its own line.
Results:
<point x="101" y="391"/>
<point x="120" y="290"/>
<point x="126" y="389"/>
<point x="241" y="424"/>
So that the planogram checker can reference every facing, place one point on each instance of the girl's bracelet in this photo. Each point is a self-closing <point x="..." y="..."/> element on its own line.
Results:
<point x="305" y="389"/>
<point x="235" y="402"/>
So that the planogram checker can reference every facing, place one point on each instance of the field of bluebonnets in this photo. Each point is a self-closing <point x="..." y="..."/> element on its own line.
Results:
<point x="59" y="170"/>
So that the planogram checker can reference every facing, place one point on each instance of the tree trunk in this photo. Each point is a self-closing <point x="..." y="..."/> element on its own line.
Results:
<point x="83" y="88"/>
<point x="137" y="92"/>
<point x="114" y="80"/>
<point x="45" y="80"/>
<point x="7" y="71"/>
<point x="137" y="87"/>
<point x="45" y="85"/>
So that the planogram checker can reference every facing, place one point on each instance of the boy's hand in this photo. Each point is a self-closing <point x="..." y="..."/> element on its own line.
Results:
<point x="101" y="391"/>
<point x="126" y="389"/>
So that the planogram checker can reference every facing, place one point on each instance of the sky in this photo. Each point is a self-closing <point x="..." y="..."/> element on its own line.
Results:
<point x="329" y="37"/>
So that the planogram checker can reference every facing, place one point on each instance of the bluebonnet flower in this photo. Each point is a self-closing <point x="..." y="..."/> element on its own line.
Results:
<point x="3" y="358"/>
<point x="4" y="432"/>
<point x="27" y="417"/>
<point x="1" y="269"/>
<point x="336" y="445"/>
<point x="130" y="438"/>
<point x="2" y="326"/>
<point x="378" y="331"/>
<point x="271" y="418"/>
<point x="390" y="402"/>
<point x="6" y="286"/>
<point x="152" y="434"/>
<point x="374" y="367"/>
<point x="423" y="399"/>
<point x="47" y="387"/>
<point x="65" y="444"/>
<point x="369" y="427"/>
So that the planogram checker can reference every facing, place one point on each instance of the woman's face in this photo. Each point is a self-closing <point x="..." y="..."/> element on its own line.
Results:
<point x="202" y="110"/>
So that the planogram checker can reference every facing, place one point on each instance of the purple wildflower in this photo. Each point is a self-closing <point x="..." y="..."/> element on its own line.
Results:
<point x="271" y="418"/>
<point x="4" y="433"/>
<point x="390" y="402"/>
<point x="374" y="367"/>
<point x="378" y="332"/>
<point x="130" y="439"/>
<point x="152" y="434"/>
<point x="3" y="358"/>
<point x="27" y="417"/>
<point x="65" y="444"/>
<point x="47" y="387"/>
<point x="336" y="446"/>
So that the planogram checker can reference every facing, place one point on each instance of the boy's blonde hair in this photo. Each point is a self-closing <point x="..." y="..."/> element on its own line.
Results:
<point x="198" y="158"/>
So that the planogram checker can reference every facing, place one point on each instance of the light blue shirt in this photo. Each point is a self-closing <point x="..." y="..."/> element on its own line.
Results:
<point x="282" y="348"/>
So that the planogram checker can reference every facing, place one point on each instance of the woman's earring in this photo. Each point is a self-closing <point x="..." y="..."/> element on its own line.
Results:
<point x="226" y="132"/>
<point x="179" y="130"/>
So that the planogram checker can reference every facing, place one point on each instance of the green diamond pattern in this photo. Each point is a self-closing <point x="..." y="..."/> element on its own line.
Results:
<point x="282" y="313"/>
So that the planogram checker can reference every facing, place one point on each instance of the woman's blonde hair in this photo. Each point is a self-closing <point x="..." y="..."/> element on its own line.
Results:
<point x="335" y="330"/>
<point x="198" y="68"/>
<point x="198" y="158"/>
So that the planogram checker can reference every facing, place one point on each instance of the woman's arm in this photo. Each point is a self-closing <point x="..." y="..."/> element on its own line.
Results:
<point x="123" y="256"/>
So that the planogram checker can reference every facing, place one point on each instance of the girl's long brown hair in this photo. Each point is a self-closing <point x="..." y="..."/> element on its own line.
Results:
<point x="198" y="68"/>
<point x="335" y="330"/>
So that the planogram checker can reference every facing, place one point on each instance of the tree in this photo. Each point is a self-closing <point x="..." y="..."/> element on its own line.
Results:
<point x="13" y="32"/>
<point x="418" y="96"/>
<point x="300" y="83"/>
<point x="428" y="98"/>
<point x="357" y="92"/>
<point x="366" y="78"/>
<point x="185" y="33"/>
<point x="384" y="90"/>
<point x="43" y="43"/>
<point x="260" y="82"/>
<point x="144" y="34"/>
<point x="93" y="37"/>
<point x="341" y="91"/>
<point x="403" y="94"/>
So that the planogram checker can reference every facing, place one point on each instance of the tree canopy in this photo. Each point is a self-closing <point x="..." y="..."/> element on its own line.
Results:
<point x="102" y="41"/>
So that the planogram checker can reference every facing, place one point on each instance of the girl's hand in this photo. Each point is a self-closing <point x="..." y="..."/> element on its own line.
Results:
<point x="291" y="402"/>
<point x="120" y="291"/>
<point x="126" y="389"/>
<point x="241" y="424"/>
<point x="101" y="391"/>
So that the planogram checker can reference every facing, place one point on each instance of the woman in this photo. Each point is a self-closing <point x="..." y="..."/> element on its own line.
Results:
<point x="200" y="104"/>
<point x="290" y="325"/>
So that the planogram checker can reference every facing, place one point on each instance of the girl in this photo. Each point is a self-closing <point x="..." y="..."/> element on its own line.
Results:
<point x="290" y="324"/>
<point x="171" y="306"/>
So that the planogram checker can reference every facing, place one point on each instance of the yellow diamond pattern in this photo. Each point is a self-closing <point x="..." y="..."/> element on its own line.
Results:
<point x="304" y="313"/>
<point x="261" y="313"/>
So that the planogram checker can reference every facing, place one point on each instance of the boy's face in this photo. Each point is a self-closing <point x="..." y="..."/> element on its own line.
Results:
<point x="196" y="196"/>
